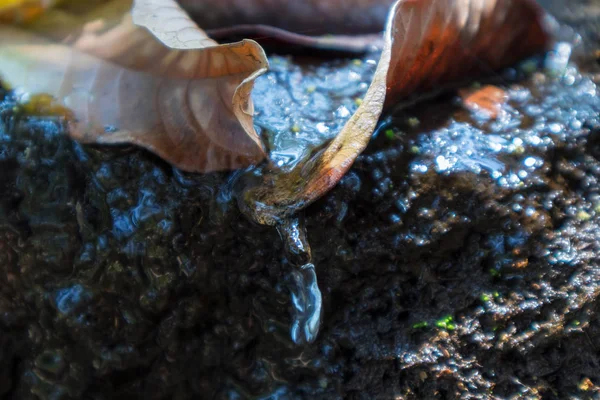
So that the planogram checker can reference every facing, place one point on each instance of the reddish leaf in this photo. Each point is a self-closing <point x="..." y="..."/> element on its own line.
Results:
<point x="440" y="42"/>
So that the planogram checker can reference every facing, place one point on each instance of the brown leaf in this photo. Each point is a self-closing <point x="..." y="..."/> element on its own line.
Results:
<point x="330" y="26"/>
<point x="155" y="80"/>
<point x="428" y="43"/>
<point x="309" y="17"/>
<point x="440" y="42"/>
<point x="277" y="38"/>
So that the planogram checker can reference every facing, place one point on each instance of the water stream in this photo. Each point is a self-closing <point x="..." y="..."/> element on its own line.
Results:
<point x="301" y="282"/>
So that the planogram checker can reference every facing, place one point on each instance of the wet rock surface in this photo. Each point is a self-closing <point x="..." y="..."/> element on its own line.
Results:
<point x="458" y="258"/>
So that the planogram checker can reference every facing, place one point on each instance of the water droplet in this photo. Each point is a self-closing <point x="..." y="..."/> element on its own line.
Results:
<point x="322" y="128"/>
<point x="342" y="112"/>
<point x="442" y="163"/>
<point x="576" y="124"/>
<point x="530" y="162"/>
<point x="555" y="128"/>
<point x="69" y="298"/>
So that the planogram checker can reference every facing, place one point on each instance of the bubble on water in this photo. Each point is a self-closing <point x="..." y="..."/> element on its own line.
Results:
<point x="530" y="162"/>
<point x="576" y="124"/>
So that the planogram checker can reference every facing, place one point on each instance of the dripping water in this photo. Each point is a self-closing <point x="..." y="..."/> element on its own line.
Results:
<point x="306" y="299"/>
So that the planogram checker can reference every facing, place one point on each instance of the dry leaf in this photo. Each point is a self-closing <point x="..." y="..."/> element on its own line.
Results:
<point x="429" y="43"/>
<point x="347" y="26"/>
<point x="272" y="37"/>
<point x="309" y="17"/>
<point x="488" y="99"/>
<point x="155" y="80"/>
